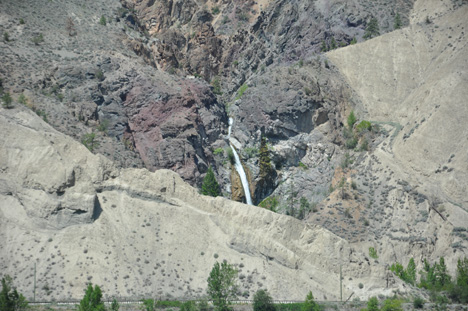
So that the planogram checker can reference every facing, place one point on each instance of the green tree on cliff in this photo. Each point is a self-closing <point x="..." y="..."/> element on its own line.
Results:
<point x="265" y="162"/>
<point x="210" y="185"/>
<point x="372" y="29"/>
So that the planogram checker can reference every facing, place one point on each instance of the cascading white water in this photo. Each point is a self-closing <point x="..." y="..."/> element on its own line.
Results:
<point x="239" y="167"/>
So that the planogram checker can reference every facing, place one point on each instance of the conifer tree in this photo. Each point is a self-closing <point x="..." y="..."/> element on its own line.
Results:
<point x="310" y="304"/>
<point x="397" y="23"/>
<point x="411" y="271"/>
<point x="372" y="29"/>
<point x="210" y="185"/>
<point x="265" y="162"/>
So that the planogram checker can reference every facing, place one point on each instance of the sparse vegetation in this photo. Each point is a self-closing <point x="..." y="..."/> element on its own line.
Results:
<point x="7" y="100"/>
<point x="22" y="99"/>
<point x="103" y="126"/>
<point x="364" y="126"/>
<point x="270" y="203"/>
<point x="218" y="151"/>
<point x="241" y="91"/>
<point x="38" y="39"/>
<point x="418" y="302"/>
<point x="6" y="37"/>
<point x="215" y="10"/>
<point x="351" y="119"/>
<point x="373" y="253"/>
<point x="216" y="86"/>
<point x="397" y="22"/>
<point x="89" y="140"/>
<point x="210" y="185"/>
<point x="103" y="21"/>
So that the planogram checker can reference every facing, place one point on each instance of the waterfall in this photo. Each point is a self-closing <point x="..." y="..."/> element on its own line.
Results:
<point x="239" y="167"/>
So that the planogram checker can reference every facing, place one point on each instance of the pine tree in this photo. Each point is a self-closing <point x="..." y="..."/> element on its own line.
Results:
<point x="441" y="274"/>
<point x="372" y="29"/>
<point x="333" y="43"/>
<point x="210" y="186"/>
<point x="397" y="23"/>
<point x="265" y="162"/>
<point x="310" y="304"/>
<point x="7" y="100"/>
<point x="411" y="271"/>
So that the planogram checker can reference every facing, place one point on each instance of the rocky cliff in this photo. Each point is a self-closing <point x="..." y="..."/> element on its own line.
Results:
<point x="147" y="85"/>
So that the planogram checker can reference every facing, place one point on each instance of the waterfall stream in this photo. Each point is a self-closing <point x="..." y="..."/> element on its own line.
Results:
<point x="239" y="167"/>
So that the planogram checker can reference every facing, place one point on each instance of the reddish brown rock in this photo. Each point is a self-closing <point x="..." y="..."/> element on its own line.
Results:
<point x="173" y="128"/>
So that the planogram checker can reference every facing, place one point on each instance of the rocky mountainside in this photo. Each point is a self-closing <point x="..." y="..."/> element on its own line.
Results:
<point x="147" y="85"/>
<point x="141" y="233"/>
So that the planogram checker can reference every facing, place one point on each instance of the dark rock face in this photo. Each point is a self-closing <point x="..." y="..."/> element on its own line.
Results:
<point x="173" y="128"/>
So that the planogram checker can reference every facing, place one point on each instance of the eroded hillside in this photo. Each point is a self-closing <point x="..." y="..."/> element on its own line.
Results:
<point x="104" y="93"/>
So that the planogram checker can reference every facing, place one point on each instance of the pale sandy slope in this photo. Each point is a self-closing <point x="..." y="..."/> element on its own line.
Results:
<point x="418" y="78"/>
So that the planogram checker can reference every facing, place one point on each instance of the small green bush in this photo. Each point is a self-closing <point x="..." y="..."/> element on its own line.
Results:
<point x="6" y="36"/>
<point x="418" y="302"/>
<point x="22" y="99"/>
<point x="103" y="126"/>
<point x="218" y="151"/>
<point x="302" y="165"/>
<point x="216" y="86"/>
<point x="373" y="253"/>
<point x="89" y="140"/>
<point x="21" y="21"/>
<point x="7" y="100"/>
<point x="364" y="145"/>
<point x="251" y="152"/>
<point x="102" y="20"/>
<point x="231" y="157"/>
<point x="392" y="305"/>
<point x="215" y="10"/>
<point x="99" y="75"/>
<point x="270" y="203"/>
<point x="351" y="143"/>
<point x="361" y="286"/>
<point x="38" y="39"/>
<point x="241" y="91"/>
<point x="346" y="161"/>
<point x="148" y="305"/>
<point x="364" y="125"/>
<point x="351" y="119"/>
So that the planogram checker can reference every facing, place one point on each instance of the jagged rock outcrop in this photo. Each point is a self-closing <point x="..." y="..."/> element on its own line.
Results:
<point x="174" y="127"/>
<point x="92" y="83"/>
